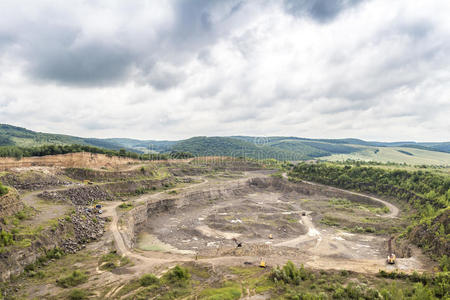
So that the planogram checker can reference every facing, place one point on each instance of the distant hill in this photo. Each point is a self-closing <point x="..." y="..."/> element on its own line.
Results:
<point x="279" y="147"/>
<point x="17" y="136"/>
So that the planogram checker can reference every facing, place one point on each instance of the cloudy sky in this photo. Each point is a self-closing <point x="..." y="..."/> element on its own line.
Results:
<point x="374" y="69"/>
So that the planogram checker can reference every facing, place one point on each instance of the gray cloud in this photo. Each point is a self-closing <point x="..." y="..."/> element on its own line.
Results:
<point x="171" y="69"/>
<point x="319" y="10"/>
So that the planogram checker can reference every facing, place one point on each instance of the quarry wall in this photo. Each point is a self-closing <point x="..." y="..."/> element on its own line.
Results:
<point x="80" y="160"/>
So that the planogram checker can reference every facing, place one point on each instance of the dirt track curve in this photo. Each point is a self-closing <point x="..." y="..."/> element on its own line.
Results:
<point x="393" y="210"/>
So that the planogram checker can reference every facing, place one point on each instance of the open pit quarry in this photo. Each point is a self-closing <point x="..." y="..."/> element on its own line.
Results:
<point x="156" y="216"/>
<point x="265" y="214"/>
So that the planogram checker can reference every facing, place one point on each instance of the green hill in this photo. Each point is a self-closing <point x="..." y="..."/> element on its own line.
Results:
<point x="279" y="147"/>
<point x="17" y="136"/>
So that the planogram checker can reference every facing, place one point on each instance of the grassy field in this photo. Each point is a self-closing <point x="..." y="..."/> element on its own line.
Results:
<point x="409" y="156"/>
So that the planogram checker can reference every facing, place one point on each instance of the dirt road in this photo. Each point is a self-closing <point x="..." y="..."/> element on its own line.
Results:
<point x="46" y="210"/>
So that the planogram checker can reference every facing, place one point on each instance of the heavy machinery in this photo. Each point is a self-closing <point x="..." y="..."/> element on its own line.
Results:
<point x="391" y="257"/>
<point x="238" y="244"/>
<point x="262" y="264"/>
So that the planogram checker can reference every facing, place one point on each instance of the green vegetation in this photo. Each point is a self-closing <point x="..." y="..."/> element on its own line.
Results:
<point x="229" y="291"/>
<point x="6" y="238"/>
<point x="15" y="139"/>
<point x="78" y="294"/>
<point x="126" y="206"/>
<point x="148" y="279"/>
<point x="290" y="274"/>
<point x="112" y="261"/>
<point x="77" y="277"/>
<point x="293" y="282"/>
<point x="260" y="148"/>
<point x="177" y="275"/>
<point x="392" y="155"/>
<point x="426" y="193"/>
<point x="19" y="152"/>
<point x="15" y="233"/>
<point x="341" y="203"/>
<point x="174" y="284"/>
<point x="3" y="189"/>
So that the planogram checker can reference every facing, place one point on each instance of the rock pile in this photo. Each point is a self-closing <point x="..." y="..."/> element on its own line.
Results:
<point x="85" y="195"/>
<point x="87" y="227"/>
<point x="32" y="181"/>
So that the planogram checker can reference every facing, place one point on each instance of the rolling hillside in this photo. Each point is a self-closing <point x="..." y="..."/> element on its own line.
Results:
<point x="408" y="155"/>
<point x="17" y="136"/>
<point x="281" y="148"/>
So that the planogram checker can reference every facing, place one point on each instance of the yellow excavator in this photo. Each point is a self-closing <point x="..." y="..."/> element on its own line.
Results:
<point x="262" y="263"/>
<point x="391" y="257"/>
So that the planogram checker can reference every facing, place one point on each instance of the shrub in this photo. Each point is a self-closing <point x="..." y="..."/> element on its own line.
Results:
<point x="3" y="189"/>
<point x="177" y="275"/>
<point x="444" y="263"/>
<point x="290" y="274"/>
<point x="6" y="238"/>
<point x="125" y="205"/>
<point x="148" y="279"/>
<point x="112" y="261"/>
<point x="76" y="278"/>
<point x="78" y="294"/>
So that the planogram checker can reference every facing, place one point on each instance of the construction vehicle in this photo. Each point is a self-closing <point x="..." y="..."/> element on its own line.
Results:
<point x="391" y="257"/>
<point x="262" y="264"/>
<point x="238" y="244"/>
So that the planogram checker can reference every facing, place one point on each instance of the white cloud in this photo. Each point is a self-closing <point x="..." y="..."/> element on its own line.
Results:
<point x="164" y="70"/>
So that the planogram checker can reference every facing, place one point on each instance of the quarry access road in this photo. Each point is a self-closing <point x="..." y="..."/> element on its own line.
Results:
<point x="45" y="210"/>
<point x="393" y="210"/>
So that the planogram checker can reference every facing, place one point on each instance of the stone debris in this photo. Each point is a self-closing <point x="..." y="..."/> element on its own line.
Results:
<point x="32" y="181"/>
<point x="85" y="195"/>
<point x="87" y="227"/>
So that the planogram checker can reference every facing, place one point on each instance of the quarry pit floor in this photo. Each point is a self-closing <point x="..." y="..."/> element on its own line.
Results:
<point x="273" y="222"/>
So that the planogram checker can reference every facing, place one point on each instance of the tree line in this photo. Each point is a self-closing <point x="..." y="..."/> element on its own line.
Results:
<point x="19" y="152"/>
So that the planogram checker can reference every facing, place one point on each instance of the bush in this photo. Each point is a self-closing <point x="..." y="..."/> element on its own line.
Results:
<point x="125" y="205"/>
<point x="78" y="294"/>
<point x="148" y="279"/>
<point x="6" y="238"/>
<point x="76" y="278"/>
<point x="177" y="275"/>
<point x="3" y="189"/>
<point x="444" y="263"/>
<point x="112" y="261"/>
<point x="290" y="274"/>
